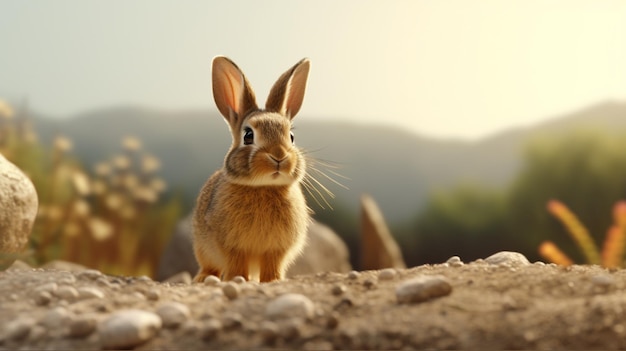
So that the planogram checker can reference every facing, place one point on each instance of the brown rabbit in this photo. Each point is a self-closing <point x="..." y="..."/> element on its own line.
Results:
<point x="251" y="216"/>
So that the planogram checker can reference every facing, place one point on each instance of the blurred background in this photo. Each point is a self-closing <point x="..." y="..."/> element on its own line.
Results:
<point x="462" y="120"/>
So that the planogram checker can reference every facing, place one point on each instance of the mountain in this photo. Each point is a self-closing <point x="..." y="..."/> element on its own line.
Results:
<point x="397" y="167"/>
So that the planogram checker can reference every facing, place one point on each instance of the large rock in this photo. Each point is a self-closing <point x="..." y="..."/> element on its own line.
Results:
<point x="379" y="248"/>
<point x="18" y="208"/>
<point x="324" y="252"/>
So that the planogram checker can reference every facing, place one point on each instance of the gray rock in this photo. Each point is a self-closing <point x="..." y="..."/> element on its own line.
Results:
<point x="173" y="314"/>
<point x="507" y="258"/>
<point x="128" y="328"/>
<point x="290" y="306"/>
<point x="324" y="252"/>
<point x="379" y="248"/>
<point x="423" y="288"/>
<point x="18" y="209"/>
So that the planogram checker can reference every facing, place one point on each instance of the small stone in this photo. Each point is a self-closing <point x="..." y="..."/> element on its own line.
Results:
<point x="387" y="274"/>
<point x="602" y="280"/>
<point x="67" y="293"/>
<point x="353" y="275"/>
<point x="89" y="274"/>
<point x="232" y="321"/>
<point x="211" y="280"/>
<point x="89" y="292"/>
<point x="81" y="326"/>
<point x="338" y="289"/>
<point x="332" y="321"/>
<point x="269" y="331"/>
<point x="55" y="318"/>
<point x="231" y="290"/>
<point x="291" y="329"/>
<point x="180" y="278"/>
<point x="210" y="329"/>
<point x="173" y="314"/>
<point x="49" y="287"/>
<point x="369" y="283"/>
<point x="507" y="258"/>
<point x="144" y="278"/>
<point x="128" y="328"/>
<point x="423" y="288"/>
<point x="539" y="263"/>
<point x="152" y="295"/>
<point x="455" y="261"/>
<point x="43" y="298"/>
<point x="290" y="305"/>
<point x="239" y="279"/>
<point x="103" y="281"/>
<point x="66" y="279"/>
<point x="19" y="329"/>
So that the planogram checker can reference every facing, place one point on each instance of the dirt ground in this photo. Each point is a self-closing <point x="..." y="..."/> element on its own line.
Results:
<point x="490" y="306"/>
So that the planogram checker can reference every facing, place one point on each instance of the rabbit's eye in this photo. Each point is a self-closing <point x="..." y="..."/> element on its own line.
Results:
<point x="292" y="137"/>
<point x="248" y="136"/>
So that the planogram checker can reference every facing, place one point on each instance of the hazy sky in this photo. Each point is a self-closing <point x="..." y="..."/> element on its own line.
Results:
<point x="441" y="68"/>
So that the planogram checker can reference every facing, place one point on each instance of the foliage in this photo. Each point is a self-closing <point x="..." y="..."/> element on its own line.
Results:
<point x="585" y="169"/>
<point x="612" y="255"/>
<point x="110" y="219"/>
<point x="467" y="221"/>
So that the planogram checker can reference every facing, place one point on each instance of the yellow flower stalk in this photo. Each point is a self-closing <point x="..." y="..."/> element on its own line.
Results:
<point x="576" y="229"/>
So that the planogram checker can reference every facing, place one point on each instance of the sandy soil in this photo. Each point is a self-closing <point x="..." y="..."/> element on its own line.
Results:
<point x="490" y="306"/>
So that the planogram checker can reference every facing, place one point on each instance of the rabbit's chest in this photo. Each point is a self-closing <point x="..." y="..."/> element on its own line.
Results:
<point x="263" y="219"/>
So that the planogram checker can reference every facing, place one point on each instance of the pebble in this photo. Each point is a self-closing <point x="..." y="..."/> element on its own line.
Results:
<point x="290" y="305"/>
<point x="231" y="290"/>
<point x="232" y="321"/>
<point x="173" y="314"/>
<point x="353" y="275"/>
<point x="81" y="326"/>
<point x="211" y="280"/>
<point x="48" y="287"/>
<point x="89" y="292"/>
<point x="152" y="295"/>
<point x="43" y="298"/>
<point x="19" y="329"/>
<point x="90" y="274"/>
<point x="338" y="289"/>
<point x="368" y="283"/>
<point x="423" y="288"/>
<point x="128" y="328"/>
<point x="455" y="261"/>
<point x="180" y="278"/>
<point x="332" y="321"/>
<point x="269" y="331"/>
<point x="602" y="280"/>
<point x="291" y="329"/>
<point x="210" y="329"/>
<point x="387" y="274"/>
<point x="67" y="279"/>
<point x="507" y="258"/>
<point x="239" y="279"/>
<point x="54" y="318"/>
<point x="66" y="292"/>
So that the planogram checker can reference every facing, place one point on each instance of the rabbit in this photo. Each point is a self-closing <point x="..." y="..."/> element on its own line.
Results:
<point x="251" y="216"/>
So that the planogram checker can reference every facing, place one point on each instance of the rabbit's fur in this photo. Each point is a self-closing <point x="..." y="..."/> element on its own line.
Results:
<point x="251" y="216"/>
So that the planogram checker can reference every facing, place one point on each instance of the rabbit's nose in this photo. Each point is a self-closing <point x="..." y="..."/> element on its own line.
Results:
<point x="278" y="154"/>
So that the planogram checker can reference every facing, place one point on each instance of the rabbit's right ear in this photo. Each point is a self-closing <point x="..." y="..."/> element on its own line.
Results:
<point x="232" y="93"/>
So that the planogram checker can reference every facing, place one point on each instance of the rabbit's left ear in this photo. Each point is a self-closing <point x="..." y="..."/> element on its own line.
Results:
<point x="288" y="92"/>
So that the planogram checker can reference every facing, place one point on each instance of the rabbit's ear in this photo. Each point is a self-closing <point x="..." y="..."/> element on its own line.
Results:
<point x="232" y="93"/>
<point x="288" y="92"/>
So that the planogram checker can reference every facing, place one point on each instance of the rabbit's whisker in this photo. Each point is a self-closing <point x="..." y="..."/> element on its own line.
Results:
<point x="311" y="189"/>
